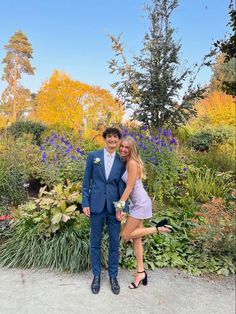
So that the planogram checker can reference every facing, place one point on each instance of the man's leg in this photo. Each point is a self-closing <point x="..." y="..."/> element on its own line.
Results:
<point x="114" y="237"/>
<point x="96" y="225"/>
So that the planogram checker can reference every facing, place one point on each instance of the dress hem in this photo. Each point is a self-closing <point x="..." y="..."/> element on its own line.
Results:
<point x="140" y="217"/>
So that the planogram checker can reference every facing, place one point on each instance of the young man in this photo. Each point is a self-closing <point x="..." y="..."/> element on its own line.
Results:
<point x="102" y="185"/>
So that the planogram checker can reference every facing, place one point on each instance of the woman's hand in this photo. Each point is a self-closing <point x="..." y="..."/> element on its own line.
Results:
<point x="120" y="215"/>
<point x="86" y="211"/>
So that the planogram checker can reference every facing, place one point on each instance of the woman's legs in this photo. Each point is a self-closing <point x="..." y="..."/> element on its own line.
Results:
<point x="138" y="250"/>
<point x="132" y="229"/>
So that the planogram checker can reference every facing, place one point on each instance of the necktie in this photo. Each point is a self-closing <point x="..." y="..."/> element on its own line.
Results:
<point x="109" y="164"/>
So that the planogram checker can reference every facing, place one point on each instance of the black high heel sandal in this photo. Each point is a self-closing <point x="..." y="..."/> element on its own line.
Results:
<point x="163" y="223"/>
<point x="144" y="281"/>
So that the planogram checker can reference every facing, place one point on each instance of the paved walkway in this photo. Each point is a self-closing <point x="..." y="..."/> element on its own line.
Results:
<point x="168" y="292"/>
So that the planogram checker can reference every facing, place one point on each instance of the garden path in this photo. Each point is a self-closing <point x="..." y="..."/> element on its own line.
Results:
<point x="169" y="291"/>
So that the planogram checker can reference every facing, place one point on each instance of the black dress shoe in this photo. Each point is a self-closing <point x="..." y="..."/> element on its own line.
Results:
<point x="115" y="288"/>
<point x="95" y="287"/>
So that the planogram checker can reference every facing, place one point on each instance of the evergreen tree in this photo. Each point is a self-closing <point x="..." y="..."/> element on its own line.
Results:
<point x="17" y="62"/>
<point x="151" y="85"/>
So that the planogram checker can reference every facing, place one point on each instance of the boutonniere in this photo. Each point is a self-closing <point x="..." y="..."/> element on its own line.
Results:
<point x="96" y="160"/>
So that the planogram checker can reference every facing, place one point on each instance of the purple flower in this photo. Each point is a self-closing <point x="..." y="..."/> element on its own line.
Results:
<point x="152" y="159"/>
<point x="58" y="146"/>
<point x="55" y="157"/>
<point x="185" y="169"/>
<point x="73" y="157"/>
<point x="41" y="148"/>
<point x="78" y="149"/>
<point x="62" y="139"/>
<point x="145" y="127"/>
<point x="46" y="139"/>
<point x="165" y="132"/>
<point x="163" y="144"/>
<point x="173" y="141"/>
<point x="44" y="155"/>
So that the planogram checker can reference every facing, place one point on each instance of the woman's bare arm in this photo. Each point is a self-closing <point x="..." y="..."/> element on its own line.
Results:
<point x="132" y="170"/>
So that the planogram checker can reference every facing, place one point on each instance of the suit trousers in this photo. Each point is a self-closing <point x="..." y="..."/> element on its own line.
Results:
<point x="97" y="224"/>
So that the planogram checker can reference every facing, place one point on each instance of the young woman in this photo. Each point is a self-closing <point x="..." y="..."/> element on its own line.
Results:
<point x="140" y="206"/>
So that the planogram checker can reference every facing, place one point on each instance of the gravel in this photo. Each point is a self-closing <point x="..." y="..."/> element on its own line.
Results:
<point x="169" y="291"/>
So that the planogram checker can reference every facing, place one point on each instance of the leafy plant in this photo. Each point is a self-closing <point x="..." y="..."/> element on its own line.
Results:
<point x="203" y="183"/>
<point x="215" y="233"/>
<point x="60" y="161"/>
<point x="209" y="138"/>
<point x="12" y="184"/>
<point x="18" y="128"/>
<point x="53" y="209"/>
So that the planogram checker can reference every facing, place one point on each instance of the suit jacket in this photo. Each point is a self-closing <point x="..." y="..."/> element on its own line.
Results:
<point x="97" y="190"/>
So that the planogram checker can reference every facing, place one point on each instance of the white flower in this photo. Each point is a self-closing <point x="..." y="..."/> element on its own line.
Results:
<point x="96" y="160"/>
<point x="120" y="205"/>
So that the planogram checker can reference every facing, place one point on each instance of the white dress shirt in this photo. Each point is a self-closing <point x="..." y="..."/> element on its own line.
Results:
<point x="108" y="160"/>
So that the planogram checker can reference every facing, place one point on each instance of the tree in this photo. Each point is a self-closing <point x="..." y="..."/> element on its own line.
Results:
<point x="222" y="72"/>
<point x="151" y="84"/>
<point x="75" y="104"/>
<point x="17" y="62"/>
<point x="216" y="109"/>
<point x="228" y="48"/>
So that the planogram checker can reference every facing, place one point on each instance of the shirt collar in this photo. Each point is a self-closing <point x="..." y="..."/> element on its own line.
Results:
<point x="108" y="154"/>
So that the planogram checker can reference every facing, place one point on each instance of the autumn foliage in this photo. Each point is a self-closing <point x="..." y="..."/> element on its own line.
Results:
<point x="75" y="104"/>
<point x="218" y="225"/>
<point x="216" y="109"/>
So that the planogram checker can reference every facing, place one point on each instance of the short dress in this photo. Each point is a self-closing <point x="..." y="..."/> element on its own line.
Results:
<point x="140" y="203"/>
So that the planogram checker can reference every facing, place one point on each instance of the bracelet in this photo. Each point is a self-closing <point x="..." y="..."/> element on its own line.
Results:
<point x="120" y="205"/>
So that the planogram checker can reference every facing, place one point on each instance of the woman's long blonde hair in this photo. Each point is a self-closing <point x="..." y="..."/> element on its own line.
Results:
<point x="134" y="154"/>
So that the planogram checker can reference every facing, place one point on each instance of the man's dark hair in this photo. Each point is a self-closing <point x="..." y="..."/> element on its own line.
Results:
<point x="113" y="131"/>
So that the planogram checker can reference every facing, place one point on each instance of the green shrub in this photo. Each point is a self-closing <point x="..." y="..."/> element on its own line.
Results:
<point x="60" y="161"/>
<point x="204" y="183"/>
<point x="221" y="159"/>
<point x="206" y="139"/>
<point x="12" y="184"/>
<point x="215" y="233"/>
<point x="179" y="249"/>
<point x="52" y="209"/>
<point x="18" y="128"/>
<point x="202" y="141"/>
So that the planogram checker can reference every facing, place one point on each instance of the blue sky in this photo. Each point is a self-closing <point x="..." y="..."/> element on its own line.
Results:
<point x="71" y="35"/>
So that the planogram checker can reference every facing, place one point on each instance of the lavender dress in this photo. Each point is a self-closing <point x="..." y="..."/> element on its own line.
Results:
<point x="140" y="202"/>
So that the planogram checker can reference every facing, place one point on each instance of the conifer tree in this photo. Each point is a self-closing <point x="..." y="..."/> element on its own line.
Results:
<point x="151" y="84"/>
<point x="17" y="62"/>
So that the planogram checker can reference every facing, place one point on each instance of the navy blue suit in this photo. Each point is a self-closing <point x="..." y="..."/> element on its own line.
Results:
<point x="99" y="193"/>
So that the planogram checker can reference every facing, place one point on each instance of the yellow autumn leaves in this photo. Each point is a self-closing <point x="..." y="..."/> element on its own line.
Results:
<point x="75" y="104"/>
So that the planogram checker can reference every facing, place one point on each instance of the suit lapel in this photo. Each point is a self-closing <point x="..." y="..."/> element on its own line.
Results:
<point x="102" y="163"/>
<point x="113" y="168"/>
